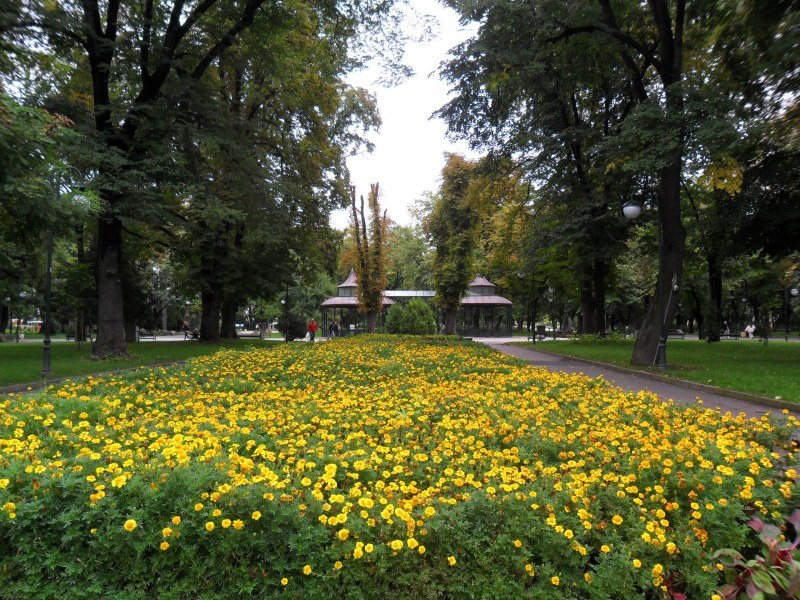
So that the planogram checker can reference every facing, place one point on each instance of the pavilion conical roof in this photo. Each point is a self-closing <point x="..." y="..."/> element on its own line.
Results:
<point x="351" y="281"/>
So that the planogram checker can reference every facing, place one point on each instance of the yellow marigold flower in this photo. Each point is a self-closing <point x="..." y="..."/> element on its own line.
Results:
<point x="130" y="525"/>
<point x="238" y="524"/>
<point x="256" y="515"/>
<point x="216" y="512"/>
<point x="396" y="544"/>
<point x="605" y="549"/>
<point x="529" y="568"/>
<point x="587" y="577"/>
<point x="421" y="549"/>
<point x="451" y="561"/>
<point x="412" y="543"/>
<point x="166" y="532"/>
<point x="4" y="483"/>
<point x="284" y="581"/>
<point x="210" y="526"/>
<point x="657" y="570"/>
<point x="568" y="534"/>
<point x="430" y="511"/>
<point x="198" y="506"/>
<point x="337" y="565"/>
<point x="637" y="563"/>
<point x="176" y="520"/>
<point x="307" y="570"/>
<point x="616" y="520"/>
<point x="555" y="580"/>
<point x="164" y="545"/>
<point x="226" y="523"/>
<point x="517" y="544"/>
<point x="358" y="553"/>
<point x="369" y="548"/>
<point x="343" y="534"/>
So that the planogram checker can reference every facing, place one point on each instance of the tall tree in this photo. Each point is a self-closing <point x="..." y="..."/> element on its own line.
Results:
<point x="451" y="227"/>
<point x="140" y="56"/>
<point x="370" y="267"/>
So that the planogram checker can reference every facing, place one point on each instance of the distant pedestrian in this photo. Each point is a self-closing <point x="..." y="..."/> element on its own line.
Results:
<point x="750" y="330"/>
<point x="312" y="329"/>
<point x="185" y="329"/>
<point x="336" y="328"/>
<point x="332" y="329"/>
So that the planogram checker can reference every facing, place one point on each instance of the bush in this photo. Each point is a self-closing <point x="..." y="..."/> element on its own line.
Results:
<point x="296" y="327"/>
<point x="415" y="318"/>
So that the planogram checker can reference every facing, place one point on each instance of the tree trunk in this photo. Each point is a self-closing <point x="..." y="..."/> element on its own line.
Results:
<point x="599" y="276"/>
<point x="228" y="328"/>
<point x="671" y="249"/>
<point x="209" y="315"/>
<point x="588" y="323"/>
<point x="450" y="321"/>
<point x="108" y="273"/>
<point x="715" y="291"/>
<point x="372" y="321"/>
<point x="4" y="318"/>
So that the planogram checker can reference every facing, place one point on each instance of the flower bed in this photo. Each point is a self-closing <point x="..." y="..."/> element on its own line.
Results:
<point x="371" y="467"/>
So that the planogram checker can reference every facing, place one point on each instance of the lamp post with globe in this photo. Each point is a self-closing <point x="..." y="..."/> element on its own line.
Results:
<point x="632" y="209"/>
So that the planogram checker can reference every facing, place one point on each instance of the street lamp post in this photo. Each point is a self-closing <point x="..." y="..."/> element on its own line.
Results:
<point x="47" y="370"/>
<point x="285" y="304"/>
<point x="786" y="300"/>
<point x="632" y="210"/>
<point x="22" y="295"/>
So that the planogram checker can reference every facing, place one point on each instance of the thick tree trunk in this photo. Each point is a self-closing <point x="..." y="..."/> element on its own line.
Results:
<point x="372" y="321"/>
<point x="450" y="321"/>
<point x="671" y="249"/>
<point x="588" y="323"/>
<point x="228" y="328"/>
<point x="108" y="273"/>
<point x="211" y="305"/>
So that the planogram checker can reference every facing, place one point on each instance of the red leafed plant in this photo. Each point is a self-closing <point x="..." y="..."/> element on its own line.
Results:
<point x="775" y="573"/>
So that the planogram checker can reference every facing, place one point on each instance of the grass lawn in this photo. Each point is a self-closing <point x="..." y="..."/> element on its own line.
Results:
<point x="22" y="363"/>
<point x="744" y="365"/>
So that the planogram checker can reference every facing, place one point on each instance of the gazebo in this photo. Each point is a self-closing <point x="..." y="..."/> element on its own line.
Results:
<point x="483" y="313"/>
<point x="343" y="308"/>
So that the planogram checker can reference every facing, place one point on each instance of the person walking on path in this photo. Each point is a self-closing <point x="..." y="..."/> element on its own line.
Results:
<point x="312" y="329"/>
<point x="750" y="330"/>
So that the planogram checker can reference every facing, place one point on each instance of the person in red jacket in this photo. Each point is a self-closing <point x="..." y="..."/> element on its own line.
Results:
<point x="312" y="329"/>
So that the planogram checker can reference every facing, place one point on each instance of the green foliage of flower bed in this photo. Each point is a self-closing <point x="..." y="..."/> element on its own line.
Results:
<point x="375" y="467"/>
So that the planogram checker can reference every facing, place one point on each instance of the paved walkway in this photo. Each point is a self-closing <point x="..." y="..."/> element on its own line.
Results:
<point x="635" y="381"/>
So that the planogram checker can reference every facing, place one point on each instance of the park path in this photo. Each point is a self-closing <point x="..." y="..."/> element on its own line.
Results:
<point x="632" y="381"/>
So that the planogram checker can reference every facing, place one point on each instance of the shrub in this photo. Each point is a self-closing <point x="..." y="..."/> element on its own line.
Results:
<point x="415" y="318"/>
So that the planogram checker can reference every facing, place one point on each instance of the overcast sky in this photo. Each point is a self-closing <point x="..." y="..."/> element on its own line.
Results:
<point x="410" y="146"/>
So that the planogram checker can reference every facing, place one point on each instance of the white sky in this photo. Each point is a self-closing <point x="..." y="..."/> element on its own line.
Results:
<point x="410" y="146"/>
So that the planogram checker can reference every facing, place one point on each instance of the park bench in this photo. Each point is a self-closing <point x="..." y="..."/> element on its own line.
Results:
<point x="538" y="335"/>
<point x="729" y="336"/>
<point x="676" y="335"/>
<point x="145" y="334"/>
<point x="249" y="334"/>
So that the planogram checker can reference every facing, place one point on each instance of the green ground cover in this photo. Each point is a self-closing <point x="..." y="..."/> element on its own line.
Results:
<point x="743" y="365"/>
<point x="382" y="467"/>
<point x="22" y="363"/>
